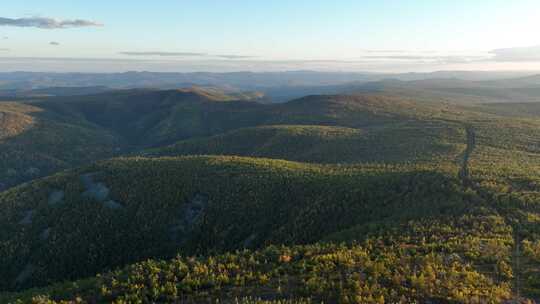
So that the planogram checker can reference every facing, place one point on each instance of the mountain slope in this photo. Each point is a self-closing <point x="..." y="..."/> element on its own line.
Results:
<point x="62" y="132"/>
<point x="325" y="144"/>
<point x="34" y="143"/>
<point x="15" y="119"/>
<point x="396" y="271"/>
<point x="454" y="90"/>
<point x="437" y="225"/>
<point x="149" y="117"/>
<point x="43" y="137"/>
<point x="78" y="223"/>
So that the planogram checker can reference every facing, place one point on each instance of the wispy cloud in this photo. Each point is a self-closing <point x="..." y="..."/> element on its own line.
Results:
<point x="440" y="59"/>
<point x="509" y="55"/>
<point x="517" y="54"/>
<point x="47" y="23"/>
<point x="4" y="50"/>
<point x="398" y="51"/>
<point x="235" y="56"/>
<point x="185" y="54"/>
<point x="5" y="37"/>
<point x="403" y="57"/>
<point x="54" y="43"/>
<point x="164" y="54"/>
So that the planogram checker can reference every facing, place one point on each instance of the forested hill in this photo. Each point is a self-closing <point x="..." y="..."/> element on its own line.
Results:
<point x="334" y="199"/>
<point x="126" y="210"/>
<point x="409" y="142"/>
<point x="406" y="226"/>
<point x="61" y="132"/>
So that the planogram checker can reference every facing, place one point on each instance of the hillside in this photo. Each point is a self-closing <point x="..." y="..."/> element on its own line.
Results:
<point x="36" y="143"/>
<point x="158" y="207"/>
<point x="76" y="130"/>
<point x="392" y="198"/>
<point x="458" y="239"/>
<point x="44" y="136"/>
<point x="53" y="91"/>
<point x="14" y="119"/>
<point x="151" y="117"/>
<point x="398" y="271"/>
<point x="518" y="90"/>
<point x="325" y="144"/>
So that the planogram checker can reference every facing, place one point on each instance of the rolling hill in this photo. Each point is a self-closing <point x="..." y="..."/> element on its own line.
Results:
<point x="329" y="144"/>
<point x="338" y="198"/>
<point x="36" y="143"/>
<point x="150" y="117"/>
<point x="76" y="130"/>
<point x="125" y="210"/>
<point x="454" y="90"/>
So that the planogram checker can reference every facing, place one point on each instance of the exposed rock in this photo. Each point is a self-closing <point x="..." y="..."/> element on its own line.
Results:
<point x="55" y="197"/>
<point x="194" y="209"/>
<point x="98" y="191"/>
<point x="44" y="235"/>
<point x="88" y="179"/>
<point x="27" y="219"/>
<point x="25" y="274"/>
<point x="190" y="214"/>
<point x="113" y="205"/>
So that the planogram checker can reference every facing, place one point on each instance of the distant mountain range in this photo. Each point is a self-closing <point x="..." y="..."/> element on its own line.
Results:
<point x="458" y="86"/>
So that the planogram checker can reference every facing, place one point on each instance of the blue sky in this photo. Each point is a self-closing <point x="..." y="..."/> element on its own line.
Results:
<point x="366" y="35"/>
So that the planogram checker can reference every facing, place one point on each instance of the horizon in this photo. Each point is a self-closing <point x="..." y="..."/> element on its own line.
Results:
<point x="396" y="36"/>
<point x="526" y="73"/>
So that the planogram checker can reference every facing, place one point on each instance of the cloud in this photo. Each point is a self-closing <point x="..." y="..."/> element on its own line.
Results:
<point x="441" y="59"/>
<point x="186" y="54"/>
<point x="402" y="57"/>
<point x="517" y="54"/>
<point x="47" y="23"/>
<point x="164" y="54"/>
<point x="398" y="51"/>
<point x="54" y="43"/>
<point x="235" y="56"/>
<point x="4" y="50"/>
<point x="5" y="37"/>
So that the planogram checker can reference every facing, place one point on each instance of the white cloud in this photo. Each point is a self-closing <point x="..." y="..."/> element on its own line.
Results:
<point x="517" y="54"/>
<point x="164" y="54"/>
<point x="234" y="56"/>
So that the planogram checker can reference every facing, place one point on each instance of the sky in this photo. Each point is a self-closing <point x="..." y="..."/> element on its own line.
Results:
<point x="228" y="35"/>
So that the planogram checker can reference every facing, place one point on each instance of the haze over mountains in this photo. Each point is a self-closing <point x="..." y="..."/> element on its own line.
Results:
<point x="283" y="86"/>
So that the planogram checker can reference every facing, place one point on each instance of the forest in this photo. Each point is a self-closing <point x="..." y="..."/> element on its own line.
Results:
<point x="190" y="196"/>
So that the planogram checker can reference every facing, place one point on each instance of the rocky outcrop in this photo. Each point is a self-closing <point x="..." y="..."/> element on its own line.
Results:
<point x="28" y="217"/>
<point x="56" y="197"/>
<point x="188" y="217"/>
<point x="98" y="191"/>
